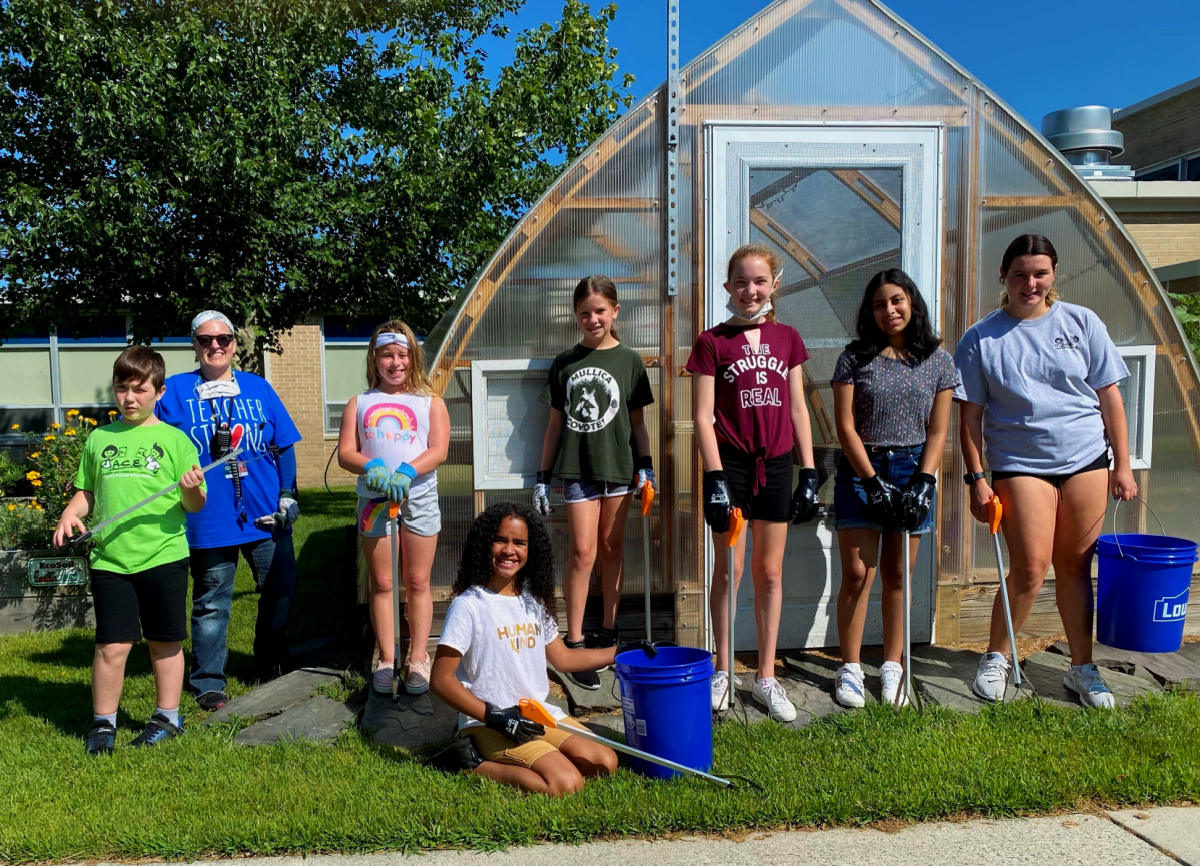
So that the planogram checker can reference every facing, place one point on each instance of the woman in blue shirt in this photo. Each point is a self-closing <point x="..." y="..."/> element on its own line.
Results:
<point x="250" y="512"/>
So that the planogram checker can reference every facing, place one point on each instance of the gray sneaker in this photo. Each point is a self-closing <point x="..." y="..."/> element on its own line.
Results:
<point x="1086" y="682"/>
<point x="992" y="677"/>
<point x="382" y="681"/>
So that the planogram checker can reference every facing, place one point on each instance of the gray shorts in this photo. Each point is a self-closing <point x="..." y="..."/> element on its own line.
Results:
<point x="419" y="514"/>
<point x="580" y="490"/>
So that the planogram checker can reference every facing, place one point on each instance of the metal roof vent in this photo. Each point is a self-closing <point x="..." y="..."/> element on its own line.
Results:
<point x="1085" y="136"/>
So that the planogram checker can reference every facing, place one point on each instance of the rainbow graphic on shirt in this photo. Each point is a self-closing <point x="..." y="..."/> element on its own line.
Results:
<point x="390" y="422"/>
<point x="373" y="517"/>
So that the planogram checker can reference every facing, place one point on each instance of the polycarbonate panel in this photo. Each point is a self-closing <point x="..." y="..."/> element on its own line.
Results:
<point x="826" y="62"/>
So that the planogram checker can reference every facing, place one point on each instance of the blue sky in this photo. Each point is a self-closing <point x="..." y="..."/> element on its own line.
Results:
<point x="1038" y="55"/>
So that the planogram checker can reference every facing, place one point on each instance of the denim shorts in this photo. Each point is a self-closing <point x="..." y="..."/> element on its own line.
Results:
<point x="896" y="465"/>
<point x="586" y="490"/>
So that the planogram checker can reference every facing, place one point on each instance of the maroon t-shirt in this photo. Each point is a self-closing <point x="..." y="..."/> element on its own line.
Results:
<point x="753" y="407"/>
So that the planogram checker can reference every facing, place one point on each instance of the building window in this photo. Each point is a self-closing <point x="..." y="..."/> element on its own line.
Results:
<point x="1137" y="392"/>
<point x="1166" y="172"/>
<point x="344" y="362"/>
<point x="48" y="374"/>
<point x="1193" y="169"/>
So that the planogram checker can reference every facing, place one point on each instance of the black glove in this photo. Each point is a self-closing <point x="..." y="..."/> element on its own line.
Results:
<point x="917" y="500"/>
<point x="512" y="724"/>
<point x="804" y="501"/>
<point x="883" y="501"/>
<point x="650" y="648"/>
<point x="716" y="501"/>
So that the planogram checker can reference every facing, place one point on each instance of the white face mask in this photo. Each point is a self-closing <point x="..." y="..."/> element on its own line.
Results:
<point x="218" y="388"/>
<point x="737" y="313"/>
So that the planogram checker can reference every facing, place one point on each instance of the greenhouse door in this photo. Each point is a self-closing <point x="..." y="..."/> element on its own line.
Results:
<point x="837" y="204"/>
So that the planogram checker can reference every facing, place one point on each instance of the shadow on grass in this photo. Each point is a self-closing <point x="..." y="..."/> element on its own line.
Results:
<point x="67" y="705"/>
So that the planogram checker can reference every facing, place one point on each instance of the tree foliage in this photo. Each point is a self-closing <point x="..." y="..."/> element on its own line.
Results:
<point x="276" y="160"/>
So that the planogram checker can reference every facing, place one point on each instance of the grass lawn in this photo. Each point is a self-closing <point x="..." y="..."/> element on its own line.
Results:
<point x="204" y="795"/>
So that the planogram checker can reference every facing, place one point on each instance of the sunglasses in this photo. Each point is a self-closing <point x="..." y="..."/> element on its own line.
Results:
<point x="206" y="340"/>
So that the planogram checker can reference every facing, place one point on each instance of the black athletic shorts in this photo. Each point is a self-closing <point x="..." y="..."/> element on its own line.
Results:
<point x="773" y="501"/>
<point x="1100" y="462"/>
<point x="153" y="601"/>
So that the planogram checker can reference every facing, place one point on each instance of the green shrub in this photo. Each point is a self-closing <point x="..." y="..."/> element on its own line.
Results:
<point x="1187" y="310"/>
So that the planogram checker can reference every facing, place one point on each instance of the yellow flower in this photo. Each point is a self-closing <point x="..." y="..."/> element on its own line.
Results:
<point x="12" y="506"/>
<point x="32" y="474"/>
<point x="16" y="426"/>
<point x="36" y="483"/>
<point x="35" y="455"/>
<point x="91" y="422"/>
<point x="71" y="413"/>
<point x="49" y="438"/>
<point x="70" y="431"/>
<point x="112" y="413"/>
<point x="52" y="457"/>
<point x="55" y="426"/>
<point x="38" y="507"/>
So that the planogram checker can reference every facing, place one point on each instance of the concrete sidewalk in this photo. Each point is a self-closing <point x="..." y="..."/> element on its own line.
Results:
<point x="1165" y="836"/>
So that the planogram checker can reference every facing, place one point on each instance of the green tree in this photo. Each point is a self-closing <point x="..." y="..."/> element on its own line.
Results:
<point x="276" y="159"/>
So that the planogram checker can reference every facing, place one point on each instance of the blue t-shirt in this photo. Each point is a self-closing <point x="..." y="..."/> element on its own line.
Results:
<point x="265" y="422"/>
<point x="1037" y="381"/>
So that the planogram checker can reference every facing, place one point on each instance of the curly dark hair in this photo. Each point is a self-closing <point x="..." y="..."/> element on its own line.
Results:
<point x="919" y="337"/>
<point x="475" y="567"/>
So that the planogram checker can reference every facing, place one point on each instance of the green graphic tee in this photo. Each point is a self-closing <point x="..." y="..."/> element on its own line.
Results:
<point x="597" y="389"/>
<point x="121" y="466"/>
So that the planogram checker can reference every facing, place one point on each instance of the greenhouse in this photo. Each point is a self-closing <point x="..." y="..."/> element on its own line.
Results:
<point x="833" y="132"/>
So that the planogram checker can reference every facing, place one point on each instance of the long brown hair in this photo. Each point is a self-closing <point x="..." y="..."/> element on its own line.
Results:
<point x="416" y="381"/>
<point x="1029" y="245"/>
<point x="597" y="284"/>
<point x="758" y="251"/>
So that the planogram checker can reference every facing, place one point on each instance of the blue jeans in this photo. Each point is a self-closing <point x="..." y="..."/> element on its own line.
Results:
<point x="273" y="563"/>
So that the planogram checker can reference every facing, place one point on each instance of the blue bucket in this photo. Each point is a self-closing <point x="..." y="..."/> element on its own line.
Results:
<point x="1142" y="591"/>
<point x="667" y="702"/>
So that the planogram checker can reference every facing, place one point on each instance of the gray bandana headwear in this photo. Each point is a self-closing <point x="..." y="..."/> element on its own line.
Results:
<point x="209" y="316"/>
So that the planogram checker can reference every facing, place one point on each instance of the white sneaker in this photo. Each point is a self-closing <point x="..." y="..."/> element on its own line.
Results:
<point x="849" y="690"/>
<point x="992" y="677"/>
<point x="417" y="680"/>
<point x="1086" y="682"/>
<point x="771" y="695"/>
<point x="720" y="691"/>
<point x="892" y="674"/>
<point x="382" y="680"/>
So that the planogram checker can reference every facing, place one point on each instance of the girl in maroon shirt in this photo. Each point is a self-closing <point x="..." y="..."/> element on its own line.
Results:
<point x="750" y="418"/>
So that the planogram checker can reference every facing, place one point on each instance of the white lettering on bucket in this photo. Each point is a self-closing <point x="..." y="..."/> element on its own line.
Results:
<point x="641" y="727"/>
<point x="1171" y="609"/>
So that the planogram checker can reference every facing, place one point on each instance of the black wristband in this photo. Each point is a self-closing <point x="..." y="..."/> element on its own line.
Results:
<point x="644" y="462"/>
<point x="971" y="477"/>
<point x="543" y="476"/>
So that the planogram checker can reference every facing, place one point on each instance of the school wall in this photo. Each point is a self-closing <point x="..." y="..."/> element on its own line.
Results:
<point x="1165" y="238"/>
<point x="296" y="374"/>
<point x="1160" y="132"/>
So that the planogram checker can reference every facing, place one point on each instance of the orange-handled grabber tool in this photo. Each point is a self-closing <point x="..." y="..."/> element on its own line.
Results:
<point x="736" y="524"/>
<point x="995" y="512"/>
<point x="399" y="626"/>
<point x="535" y="712"/>
<point x="647" y="502"/>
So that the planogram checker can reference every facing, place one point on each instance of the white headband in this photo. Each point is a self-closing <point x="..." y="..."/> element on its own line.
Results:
<point x="389" y="339"/>
<point x="210" y="316"/>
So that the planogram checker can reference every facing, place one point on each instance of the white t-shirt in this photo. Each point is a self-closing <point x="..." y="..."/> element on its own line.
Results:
<point x="503" y="642"/>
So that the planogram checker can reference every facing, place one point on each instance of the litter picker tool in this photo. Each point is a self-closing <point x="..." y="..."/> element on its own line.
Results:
<point x="910" y="693"/>
<point x="736" y="523"/>
<point x="535" y="712"/>
<point x="647" y="502"/>
<point x="995" y="512"/>
<point x="399" y="624"/>
<point x="121" y="515"/>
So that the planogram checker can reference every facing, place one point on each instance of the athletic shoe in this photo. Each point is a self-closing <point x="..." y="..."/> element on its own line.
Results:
<point x="892" y="674"/>
<point x="1086" y="682"/>
<point x="849" y="691"/>
<point x="992" y="677"/>
<point x="589" y="680"/>
<point x="417" y="681"/>
<point x="771" y="695"/>
<point x="720" y="690"/>
<point x="604" y="639"/>
<point x="212" y="701"/>
<point x="157" y="730"/>
<point x="101" y="738"/>
<point x="382" y="680"/>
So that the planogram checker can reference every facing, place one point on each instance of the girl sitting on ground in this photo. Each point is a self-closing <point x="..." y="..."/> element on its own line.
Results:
<point x="892" y="391"/>
<point x="394" y="437"/>
<point x="500" y="631"/>
<point x="597" y="392"/>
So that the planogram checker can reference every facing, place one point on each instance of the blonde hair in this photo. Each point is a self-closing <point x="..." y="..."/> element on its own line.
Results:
<point x="758" y="251"/>
<point x="416" y="380"/>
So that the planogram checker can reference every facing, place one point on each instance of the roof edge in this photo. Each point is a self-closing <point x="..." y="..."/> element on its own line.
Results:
<point x="1156" y="99"/>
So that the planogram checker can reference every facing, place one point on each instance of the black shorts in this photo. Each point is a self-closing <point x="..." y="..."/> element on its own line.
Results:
<point x="153" y="601"/>
<point x="773" y="501"/>
<point x="1100" y="462"/>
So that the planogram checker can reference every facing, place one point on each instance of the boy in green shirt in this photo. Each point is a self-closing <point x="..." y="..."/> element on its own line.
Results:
<point x="140" y="564"/>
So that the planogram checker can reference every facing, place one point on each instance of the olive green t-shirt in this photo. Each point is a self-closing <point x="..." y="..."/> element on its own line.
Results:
<point x="121" y="466"/>
<point x="597" y="389"/>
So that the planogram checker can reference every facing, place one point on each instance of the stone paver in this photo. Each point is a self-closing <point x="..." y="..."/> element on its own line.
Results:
<point x="318" y="719"/>
<point x="1045" y="671"/>
<point x="585" y="701"/>
<point x="1062" y="839"/>
<point x="1172" y="828"/>
<point x="1171" y="669"/>
<point x="1191" y="651"/>
<point x="276" y="696"/>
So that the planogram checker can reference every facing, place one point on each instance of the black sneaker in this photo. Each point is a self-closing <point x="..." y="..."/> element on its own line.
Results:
<point x="604" y="639"/>
<point x="210" y="702"/>
<point x="101" y="738"/>
<point x="157" y="730"/>
<point x="458" y="756"/>
<point x="589" y="680"/>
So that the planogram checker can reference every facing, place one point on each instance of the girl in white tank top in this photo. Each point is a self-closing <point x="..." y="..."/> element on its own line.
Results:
<point x="394" y="436"/>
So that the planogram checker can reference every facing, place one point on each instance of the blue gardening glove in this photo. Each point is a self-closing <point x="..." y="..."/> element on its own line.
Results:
<point x="541" y="493"/>
<point x="645" y="474"/>
<point x="399" y="483"/>
<point x="377" y="475"/>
